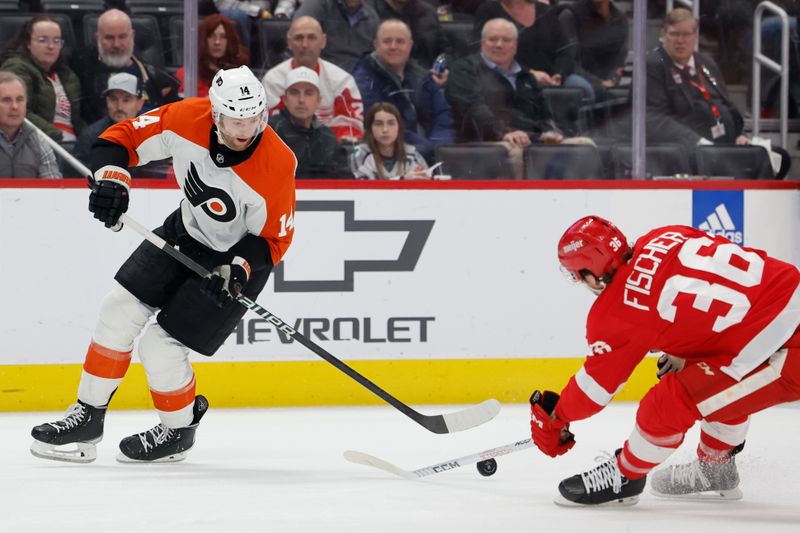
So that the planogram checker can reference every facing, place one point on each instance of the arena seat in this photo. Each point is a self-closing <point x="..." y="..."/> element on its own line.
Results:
<point x="562" y="161"/>
<point x="271" y="39"/>
<point x="474" y="161"/>
<point x="566" y="107"/>
<point x="737" y="161"/>
<point x="667" y="159"/>
<point x="459" y="35"/>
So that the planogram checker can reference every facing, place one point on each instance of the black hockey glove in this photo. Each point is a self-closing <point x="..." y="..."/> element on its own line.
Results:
<point x="668" y="363"/>
<point x="226" y="282"/>
<point x="109" y="196"/>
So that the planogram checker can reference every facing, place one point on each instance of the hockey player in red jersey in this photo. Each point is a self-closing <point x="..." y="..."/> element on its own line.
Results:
<point x="730" y="313"/>
<point x="236" y="220"/>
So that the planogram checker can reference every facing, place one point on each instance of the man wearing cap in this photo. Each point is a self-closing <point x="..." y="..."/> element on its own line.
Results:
<point x="124" y="99"/>
<point x="341" y="108"/>
<point x="318" y="153"/>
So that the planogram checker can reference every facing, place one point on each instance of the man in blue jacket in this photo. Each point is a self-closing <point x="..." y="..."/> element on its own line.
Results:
<point x="387" y="75"/>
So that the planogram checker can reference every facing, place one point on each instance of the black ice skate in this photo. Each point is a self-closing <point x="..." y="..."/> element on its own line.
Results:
<point x="698" y="480"/>
<point x="82" y="426"/>
<point x="602" y="485"/>
<point x="162" y="444"/>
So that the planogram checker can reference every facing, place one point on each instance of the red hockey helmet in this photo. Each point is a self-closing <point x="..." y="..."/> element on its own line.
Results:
<point x="594" y="244"/>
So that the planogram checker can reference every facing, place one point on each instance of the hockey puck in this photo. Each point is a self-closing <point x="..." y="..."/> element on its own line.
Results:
<point x="487" y="468"/>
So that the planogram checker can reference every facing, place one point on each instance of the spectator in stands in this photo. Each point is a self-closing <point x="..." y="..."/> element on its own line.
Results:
<point x="318" y="153"/>
<point x="341" y="108"/>
<point x="388" y="75"/>
<point x="284" y="9"/>
<point x="420" y="17"/>
<point x="245" y="12"/>
<point x="384" y="154"/>
<point x="687" y="100"/>
<point x="124" y="99"/>
<point x="543" y="47"/>
<point x="114" y="54"/>
<point x="218" y="48"/>
<point x="350" y="27"/>
<point x="23" y="153"/>
<point x="54" y="90"/>
<point x="495" y="99"/>
<point x="597" y="31"/>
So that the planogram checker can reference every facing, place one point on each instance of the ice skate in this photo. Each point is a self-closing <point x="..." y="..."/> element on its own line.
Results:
<point x="162" y="444"/>
<point x="72" y="438"/>
<point x="602" y="485"/>
<point x="698" y="480"/>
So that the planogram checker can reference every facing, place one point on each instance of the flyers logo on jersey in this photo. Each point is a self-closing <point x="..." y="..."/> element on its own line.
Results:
<point x="214" y="202"/>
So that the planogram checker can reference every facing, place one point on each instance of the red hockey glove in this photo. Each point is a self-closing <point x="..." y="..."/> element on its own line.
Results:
<point x="551" y="435"/>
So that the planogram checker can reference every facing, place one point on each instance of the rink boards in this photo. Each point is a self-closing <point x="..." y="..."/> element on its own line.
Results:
<point x="440" y="292"/>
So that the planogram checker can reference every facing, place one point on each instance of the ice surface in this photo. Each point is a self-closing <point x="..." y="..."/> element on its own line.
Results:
<point x="281" y="470"/>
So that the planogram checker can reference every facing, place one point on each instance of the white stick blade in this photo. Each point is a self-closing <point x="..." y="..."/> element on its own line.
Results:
<point x="370" y="460"/>
<point x="472" y="416"/>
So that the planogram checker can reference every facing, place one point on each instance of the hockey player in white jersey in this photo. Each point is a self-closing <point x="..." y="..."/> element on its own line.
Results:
<point x="236" y="220"/>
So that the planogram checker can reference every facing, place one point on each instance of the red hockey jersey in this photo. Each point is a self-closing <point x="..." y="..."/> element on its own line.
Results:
<point x="689" y="294"/>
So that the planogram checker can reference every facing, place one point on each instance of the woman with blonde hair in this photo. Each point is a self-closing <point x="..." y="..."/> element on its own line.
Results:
<point x="384" y="154"/>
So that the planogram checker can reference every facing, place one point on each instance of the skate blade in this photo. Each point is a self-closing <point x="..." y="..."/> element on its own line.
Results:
<point x="79" y="452"/>
<point x="708" y="496"/>
<point x="174" y="458"/>
<point x="622" y="502"/>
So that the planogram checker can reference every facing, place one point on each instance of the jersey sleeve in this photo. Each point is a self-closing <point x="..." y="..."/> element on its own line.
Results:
<point x="611" y="361"/>
<point x="146" y="137"/>
<point x="278" y="229"/>
<point x="142" y="137"/>
<point x="274" y="220"/>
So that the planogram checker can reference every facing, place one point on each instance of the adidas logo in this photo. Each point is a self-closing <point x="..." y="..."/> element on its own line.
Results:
<point x="719" y="222"/>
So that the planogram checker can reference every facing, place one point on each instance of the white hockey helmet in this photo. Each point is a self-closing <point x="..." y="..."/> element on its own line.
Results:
<point x="237" y="93"/>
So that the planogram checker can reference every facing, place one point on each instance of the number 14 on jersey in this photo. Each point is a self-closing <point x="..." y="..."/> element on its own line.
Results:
<point x="287" y="224"/>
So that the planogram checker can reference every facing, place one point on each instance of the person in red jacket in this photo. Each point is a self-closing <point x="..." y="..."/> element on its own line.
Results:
<point x="728" y="312"/>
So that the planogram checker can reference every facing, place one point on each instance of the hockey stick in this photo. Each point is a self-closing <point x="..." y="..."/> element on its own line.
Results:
<point x="443" y="423"/>
<point x="371" y="460"/>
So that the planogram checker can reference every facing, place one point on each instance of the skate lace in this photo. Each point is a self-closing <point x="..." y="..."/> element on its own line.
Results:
<point x="688" y="473"/>
<point x="74" y="416"/>
<point x="603" y="476"/>
<point x="159" y="435"/>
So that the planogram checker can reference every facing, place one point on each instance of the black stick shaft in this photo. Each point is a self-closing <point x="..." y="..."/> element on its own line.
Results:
<point x="436" y="424"/>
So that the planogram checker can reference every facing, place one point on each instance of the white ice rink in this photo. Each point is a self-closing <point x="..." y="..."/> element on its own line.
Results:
<point x="281" y="470"/>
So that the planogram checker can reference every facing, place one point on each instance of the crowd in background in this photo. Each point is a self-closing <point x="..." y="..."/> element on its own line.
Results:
<point x="381" y="86"/>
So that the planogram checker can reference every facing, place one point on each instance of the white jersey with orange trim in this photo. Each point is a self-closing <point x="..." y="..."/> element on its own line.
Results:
<point x="692" y="295"/>
<point x="341" y="108"/>
<point x="253" y="192"/>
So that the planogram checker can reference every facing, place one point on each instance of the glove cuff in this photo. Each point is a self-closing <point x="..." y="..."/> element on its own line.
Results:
<point x="242" y="262"/>
<point x="115" y="174"/>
